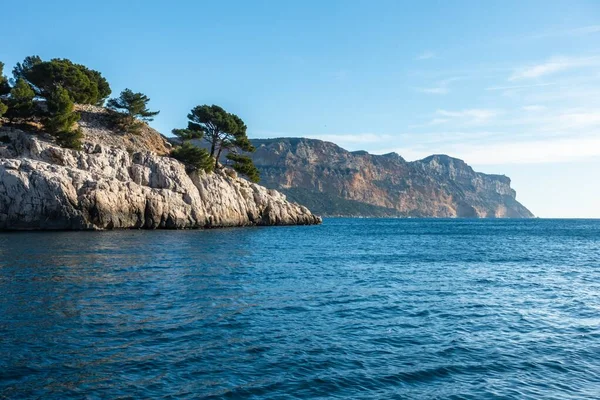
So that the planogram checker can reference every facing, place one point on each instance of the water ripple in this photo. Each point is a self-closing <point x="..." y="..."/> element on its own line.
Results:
<point x="360" y="309"/>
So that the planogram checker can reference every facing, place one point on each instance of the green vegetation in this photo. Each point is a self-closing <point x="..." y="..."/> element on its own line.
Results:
<point x="192" y="156"/>
<point x="46" y="92"/>
<point x="20" y="102"/>
<point x="85" y="86"/>
<point x="131" y="109"/>
<point x="244" y="165"/>
<point x="3" y="109"/>
<point x="61" y="119"/>
<point x="70" y="139"/>
<point x="332" y="205"/>
<point x="60" y="112"/>
<point x="4" y="86"/>
<point x="4" y="90"/>
<point x="222" y="131"/>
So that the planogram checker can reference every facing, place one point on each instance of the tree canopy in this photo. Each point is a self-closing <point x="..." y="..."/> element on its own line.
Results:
<point x="60" y="110"/>
<point x="4" y="90"/>
<point x="221" y="129"/>
<point x="61" y="119"/>
<point x="83" y="85"/>
<point x="4" y="86"/>
<point x="133" y="104"/>
<point x="131" y="107"/>
<point x="20" y="102"/>
<point x="192" y="156"/>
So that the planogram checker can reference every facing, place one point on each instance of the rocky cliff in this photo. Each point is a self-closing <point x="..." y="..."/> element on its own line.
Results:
<point x="122" y="181"/>
<point x="333" y="181"/>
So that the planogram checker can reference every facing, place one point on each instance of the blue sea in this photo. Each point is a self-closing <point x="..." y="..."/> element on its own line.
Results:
<point x="351" y="309"/>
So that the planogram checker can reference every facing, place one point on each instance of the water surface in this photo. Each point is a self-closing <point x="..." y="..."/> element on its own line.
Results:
<point x="355" y="308"/>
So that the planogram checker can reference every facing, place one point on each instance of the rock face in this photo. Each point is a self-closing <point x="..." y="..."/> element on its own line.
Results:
<point x="332" y="181"/>
<point x="43" y="186"/>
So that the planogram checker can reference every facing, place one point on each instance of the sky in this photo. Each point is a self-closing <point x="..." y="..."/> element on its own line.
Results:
<point x="511" y="87"/>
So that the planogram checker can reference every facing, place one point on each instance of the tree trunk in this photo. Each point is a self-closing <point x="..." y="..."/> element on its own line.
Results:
<point x="218" y="156"/>
<point x="212" y="146"/>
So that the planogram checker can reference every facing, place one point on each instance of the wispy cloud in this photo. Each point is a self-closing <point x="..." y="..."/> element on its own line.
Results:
<point x="460" y="118"/>
<point x="533" y="108"/>
<point x="578" y="120"/>
<point x="357" y="138"/>
<point x="426" y="55"/>
<point x="434" y="90"/>
<point x="520" y="86"/>
<point x="509" y="151"/>
<point x="579" y="31"/>
<point x="441" y="87"/>
<point x="586" y="30"/>
<point x="531" y="152"/>
<point x="476" y="114"/>
<point x="552" y="66"/>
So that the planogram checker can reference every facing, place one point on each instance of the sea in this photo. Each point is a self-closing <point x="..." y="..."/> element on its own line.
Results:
<point x="350" y="309"/>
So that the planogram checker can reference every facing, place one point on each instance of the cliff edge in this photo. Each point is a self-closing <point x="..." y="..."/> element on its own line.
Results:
<point x="335" y="182"/>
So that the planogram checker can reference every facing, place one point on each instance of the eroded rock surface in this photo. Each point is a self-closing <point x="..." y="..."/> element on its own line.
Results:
<point x="43" y="186"/>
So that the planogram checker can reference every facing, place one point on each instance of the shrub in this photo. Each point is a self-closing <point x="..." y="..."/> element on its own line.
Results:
<point x="193" y="157"/>
<point x="4" y="86"/>
<point x="70" y="139"/>
<point x="244" y="165"/>
<point x="3" y="108"/>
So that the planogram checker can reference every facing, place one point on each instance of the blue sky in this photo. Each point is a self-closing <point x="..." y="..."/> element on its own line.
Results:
<point x="511" y="87"/>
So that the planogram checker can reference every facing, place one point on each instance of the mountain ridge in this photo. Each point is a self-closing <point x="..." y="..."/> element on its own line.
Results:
<point x="315" y="172"/>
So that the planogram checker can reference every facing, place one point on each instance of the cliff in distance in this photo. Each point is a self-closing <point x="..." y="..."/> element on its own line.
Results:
<point x="121" y="180"/>
<point x="334" y="182"/>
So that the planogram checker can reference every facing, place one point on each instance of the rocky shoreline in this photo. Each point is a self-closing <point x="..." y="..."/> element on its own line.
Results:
<point x="46" y="187"/>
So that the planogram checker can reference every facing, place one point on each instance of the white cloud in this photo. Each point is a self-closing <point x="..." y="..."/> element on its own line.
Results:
<point x="552" y="66"/>
<point x="533" y="107"/>
<point x="426" y="55"/>
<point x="530" y="152"/>
<point x="475" y="114"/>
<point x="586" y="30"/>
<point x="547" y="150"/>
<point x="354" y="138"/>
<point x="434" y="90"/>
<point x="441" y="87"/>
<point x="577" y="120"/>
<point x="520" y="86"/>
<point x="581" y="31"/>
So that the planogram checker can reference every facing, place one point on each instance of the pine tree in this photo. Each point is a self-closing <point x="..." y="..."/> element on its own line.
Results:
<point x="61" y="117"/>
<point x="4" y="90"/>
<point x="4" y="86"/>
<point x="84" y="85"/>
<point x="20" y="70"/>
<point x="131" y="108"/>
<point x="20" y="102"/>
<point x="222" y="131"/>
